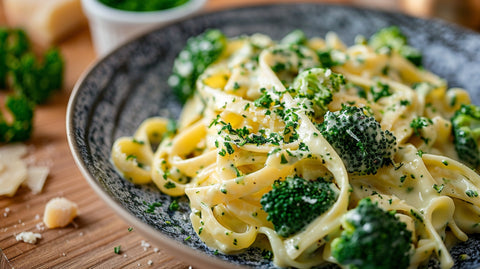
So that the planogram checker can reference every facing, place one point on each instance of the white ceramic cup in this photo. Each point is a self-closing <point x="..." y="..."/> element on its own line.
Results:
<point x="112" y="27"/>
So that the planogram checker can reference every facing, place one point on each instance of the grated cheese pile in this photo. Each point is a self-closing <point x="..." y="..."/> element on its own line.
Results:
<point x="28" y="237"/>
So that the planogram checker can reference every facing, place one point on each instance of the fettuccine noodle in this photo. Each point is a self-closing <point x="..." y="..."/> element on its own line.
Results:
<point x="224" y="178"/>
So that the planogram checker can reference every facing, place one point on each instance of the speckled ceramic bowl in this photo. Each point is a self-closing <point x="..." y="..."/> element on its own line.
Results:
<point x="129" y="85"/>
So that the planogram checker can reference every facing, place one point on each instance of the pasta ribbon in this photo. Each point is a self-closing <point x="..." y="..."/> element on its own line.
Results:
<point x="247" y="128"/>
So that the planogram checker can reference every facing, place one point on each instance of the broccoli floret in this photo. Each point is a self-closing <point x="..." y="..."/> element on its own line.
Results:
<point x="37" y="80"/>
<point x="295" y="202"/>
<point x="326" y="59"/>
<point x="17" y="42"/>
<point x="359" y="140"/>
<point x="34" y="79"/>
<point x="13" y="43"/>
<point x="372" y="239"/>
<point x="317" y="85"/>
<point x="391" y="38"/>
<point x="3" y="57"/>
<point x="466" y="133"/>
<point x="198" y="54"/>
<point x="21" y="126"/>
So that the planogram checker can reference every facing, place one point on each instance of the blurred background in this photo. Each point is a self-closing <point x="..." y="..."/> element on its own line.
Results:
<point x="19" y="13"/>
<point x="462" y="12"/>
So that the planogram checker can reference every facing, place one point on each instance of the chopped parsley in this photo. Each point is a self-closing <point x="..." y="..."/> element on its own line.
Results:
<point x="170" y="185"/>
<point x="438" y="188"/>
<point x="171" y="128"/>
<point x="264" y="101"/>
<point x="151" y="207"/>
<point x="236" y="86"/>
<point x="174" y="206"/>
<point x="471" y="193"/>
<point x="138" y="141"/>
<point x="416" y="215"/>
<point x="380" y="90"/>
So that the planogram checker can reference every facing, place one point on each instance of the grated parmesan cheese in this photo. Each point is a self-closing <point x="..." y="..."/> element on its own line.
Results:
<point x="14" y="171"/>
<point x="36" y="176"/>
<point x="28" y="237"/>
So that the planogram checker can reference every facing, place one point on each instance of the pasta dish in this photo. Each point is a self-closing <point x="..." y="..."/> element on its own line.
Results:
<point x="315" y="151"/>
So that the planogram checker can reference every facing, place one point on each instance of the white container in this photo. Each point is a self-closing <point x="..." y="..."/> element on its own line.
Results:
<point x="112" y="27"/>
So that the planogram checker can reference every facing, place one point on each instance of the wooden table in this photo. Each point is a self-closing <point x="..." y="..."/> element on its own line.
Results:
<point x="91" y="239"/>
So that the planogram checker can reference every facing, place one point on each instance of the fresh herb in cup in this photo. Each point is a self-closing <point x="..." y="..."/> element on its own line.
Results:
<point x="143" y="6"/>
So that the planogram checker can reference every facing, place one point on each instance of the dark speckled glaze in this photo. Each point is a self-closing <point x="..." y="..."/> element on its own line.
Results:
<point x="129" y="85"/>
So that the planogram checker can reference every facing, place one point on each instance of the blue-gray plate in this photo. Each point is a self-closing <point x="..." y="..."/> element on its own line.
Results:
<point x="129" y="85"/>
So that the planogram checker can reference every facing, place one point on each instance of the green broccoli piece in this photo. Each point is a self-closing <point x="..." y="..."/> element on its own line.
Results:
<point x="198" y="54"/>
<point x="17" y="42"/>
<point x="391" y="38"/>
<point x="317" y="85"/>
<point x="359" y="140"/>
<point x="33" y="82"/>
<point x="326" y="58"/>
<point x="466" y="133"/>
<point x="21" y="126"/>
<point x="295" y="202"/>
<point x="37" y="80"/>
<point x="13" y="43"/>
<point x="372" y="239"/>
<point x="3" y="58"/>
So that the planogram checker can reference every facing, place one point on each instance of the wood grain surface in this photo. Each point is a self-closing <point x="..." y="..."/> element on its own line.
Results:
<point x="90" y="241"/>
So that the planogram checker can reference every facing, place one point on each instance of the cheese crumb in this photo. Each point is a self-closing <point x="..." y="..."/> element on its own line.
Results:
<point x="28" y="237"/>
<point x="7" y="210"/>
<point x="59" y="212"/>
<point x="145" y="245"/>
<point x="40" y="226"/>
